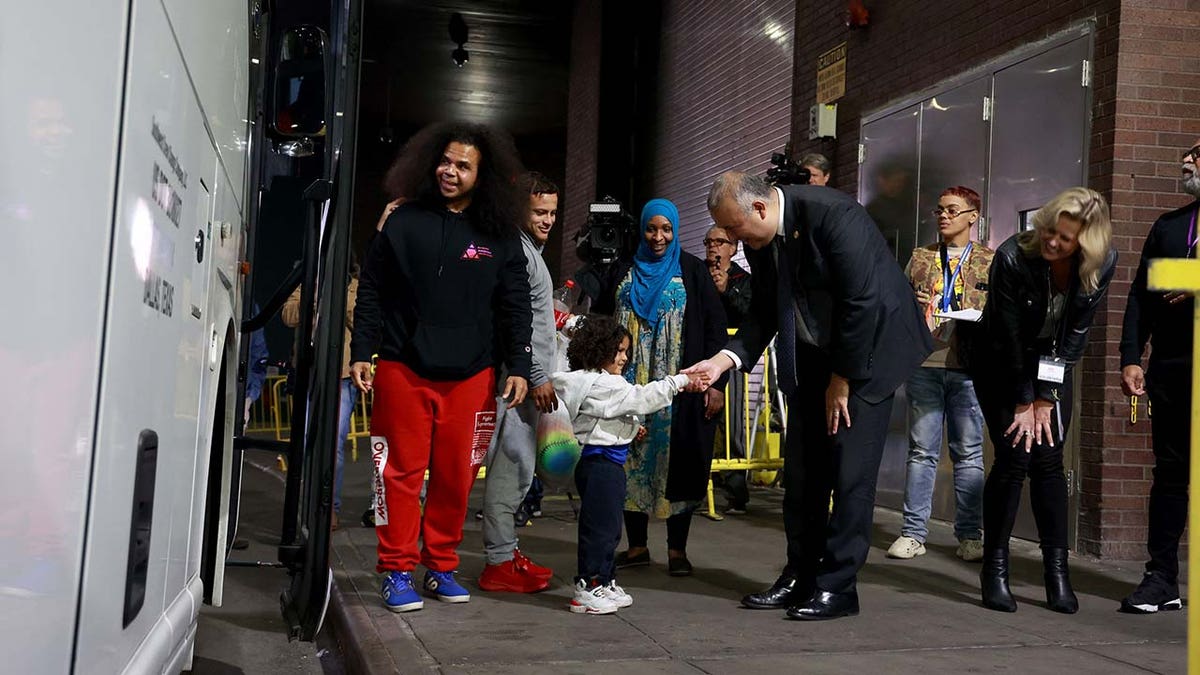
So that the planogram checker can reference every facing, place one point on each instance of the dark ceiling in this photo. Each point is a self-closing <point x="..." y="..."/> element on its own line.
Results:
<point x="516" y="76"/>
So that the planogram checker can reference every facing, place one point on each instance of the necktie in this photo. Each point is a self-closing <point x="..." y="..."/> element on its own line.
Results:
<point x="785" y="342"/>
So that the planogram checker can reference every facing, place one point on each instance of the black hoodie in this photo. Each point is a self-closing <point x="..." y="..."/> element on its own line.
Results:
<point x="442" y="297"/>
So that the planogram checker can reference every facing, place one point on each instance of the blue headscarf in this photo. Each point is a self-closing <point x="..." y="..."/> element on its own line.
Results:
<point x="652" y="273"/>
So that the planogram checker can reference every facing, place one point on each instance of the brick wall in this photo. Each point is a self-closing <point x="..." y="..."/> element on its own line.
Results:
<point x="1155" y="113"/>
<point x="583" y="122"/>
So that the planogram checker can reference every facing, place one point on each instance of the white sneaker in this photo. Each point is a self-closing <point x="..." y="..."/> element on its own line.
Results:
<point x="617" y="595"/>
<point x="592" y="600"/>
<point x="907" y="548"/>
<point x="970" y="550"/>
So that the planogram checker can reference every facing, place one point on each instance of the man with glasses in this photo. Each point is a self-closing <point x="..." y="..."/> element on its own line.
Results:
<point x="1166" y="320"/>
<point x="733" y="283"/>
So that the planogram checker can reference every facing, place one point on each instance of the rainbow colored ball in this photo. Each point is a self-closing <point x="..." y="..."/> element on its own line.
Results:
<point x="557" y="454"/>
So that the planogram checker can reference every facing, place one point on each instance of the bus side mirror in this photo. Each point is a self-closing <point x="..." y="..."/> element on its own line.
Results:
<point x="299" y="98"/>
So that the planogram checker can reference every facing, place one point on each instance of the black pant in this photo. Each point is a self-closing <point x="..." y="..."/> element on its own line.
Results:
<point x="1043" y="464"/>
<point x="1171" y="403"/>
<point x="637" y="525"/>
<point x="601" y="485"/>
<point x="823" y="546"/>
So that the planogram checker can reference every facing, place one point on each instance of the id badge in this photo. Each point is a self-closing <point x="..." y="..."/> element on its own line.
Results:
<point x="1051" y="370"/>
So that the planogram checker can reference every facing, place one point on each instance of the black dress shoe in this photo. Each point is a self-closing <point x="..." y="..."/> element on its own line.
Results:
<point x="781" y="595"/>
<point x="625" y="561"/>
<point x="679" y="567"/>
<point x="825" y="605"/>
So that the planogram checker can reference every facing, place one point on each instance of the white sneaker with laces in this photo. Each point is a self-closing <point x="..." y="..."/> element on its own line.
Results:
<point x="617" y="595"/>
<point x="906" y="548"/>
<point x="593" y="600"/>
<point x="970" y="550"/>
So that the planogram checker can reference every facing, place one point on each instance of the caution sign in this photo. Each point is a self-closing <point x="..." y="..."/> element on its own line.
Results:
<point x="831" y="74"/>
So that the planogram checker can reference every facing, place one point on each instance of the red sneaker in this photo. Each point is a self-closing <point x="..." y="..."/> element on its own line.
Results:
<point x="535" y="569"/>
<point x="511" y="577"/>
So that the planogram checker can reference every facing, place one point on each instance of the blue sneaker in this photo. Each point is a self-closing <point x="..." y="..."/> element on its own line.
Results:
<point x="398" y="593"/>
<point x="445" y="587"/>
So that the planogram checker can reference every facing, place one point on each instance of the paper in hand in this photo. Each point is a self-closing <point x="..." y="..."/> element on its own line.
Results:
<point x="972" y="315"/>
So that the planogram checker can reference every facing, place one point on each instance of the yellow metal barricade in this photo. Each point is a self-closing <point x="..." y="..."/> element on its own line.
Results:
<point x="763" y="446"/>
<point x="281" y="409"/>
<point x="260" y="417"/>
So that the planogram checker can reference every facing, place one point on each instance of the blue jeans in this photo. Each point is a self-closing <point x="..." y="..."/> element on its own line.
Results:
<point x="935" y="394"/>
<point x="349" y="399"/>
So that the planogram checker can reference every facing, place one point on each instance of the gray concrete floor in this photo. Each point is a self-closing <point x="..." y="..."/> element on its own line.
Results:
<point x="919" y="615"/>
<point x="247" y="633"/>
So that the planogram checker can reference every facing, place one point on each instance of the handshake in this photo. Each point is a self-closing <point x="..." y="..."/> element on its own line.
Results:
<point x="696" y="383"/>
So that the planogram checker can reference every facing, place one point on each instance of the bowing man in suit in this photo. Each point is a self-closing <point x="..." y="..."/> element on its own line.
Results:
<point x="850" y="335"/>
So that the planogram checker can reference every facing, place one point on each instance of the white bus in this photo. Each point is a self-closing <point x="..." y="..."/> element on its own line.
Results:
<point x="126" y="197"/>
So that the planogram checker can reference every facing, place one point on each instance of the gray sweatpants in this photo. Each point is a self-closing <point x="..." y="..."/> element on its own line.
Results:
<point x="509" y="474"/>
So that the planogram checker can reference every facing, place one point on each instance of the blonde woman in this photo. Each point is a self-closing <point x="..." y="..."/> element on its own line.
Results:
<point x="1045" y="285"/>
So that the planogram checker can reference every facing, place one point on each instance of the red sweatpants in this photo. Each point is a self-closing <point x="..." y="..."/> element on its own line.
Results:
<point x="418" y="424"/>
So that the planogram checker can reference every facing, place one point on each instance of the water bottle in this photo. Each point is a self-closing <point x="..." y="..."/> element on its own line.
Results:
<point x="564" y="299"/>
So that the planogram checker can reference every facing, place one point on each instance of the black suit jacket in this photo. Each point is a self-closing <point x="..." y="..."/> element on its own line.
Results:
<point x="859" y="305"/>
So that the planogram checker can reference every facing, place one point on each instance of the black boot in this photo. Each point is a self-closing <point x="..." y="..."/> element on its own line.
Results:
<point x="1059" y="596"/>
<point x="993" y="581"/>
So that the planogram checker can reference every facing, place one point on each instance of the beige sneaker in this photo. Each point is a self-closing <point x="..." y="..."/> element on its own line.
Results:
<point x="970" y="550"/>
<point x="907" y="548"/>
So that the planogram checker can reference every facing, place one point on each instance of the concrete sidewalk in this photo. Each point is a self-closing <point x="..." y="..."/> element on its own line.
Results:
<point x="922" y="614"/>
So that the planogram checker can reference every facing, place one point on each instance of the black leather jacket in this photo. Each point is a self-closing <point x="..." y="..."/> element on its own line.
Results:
<point x="1007" y="346"/>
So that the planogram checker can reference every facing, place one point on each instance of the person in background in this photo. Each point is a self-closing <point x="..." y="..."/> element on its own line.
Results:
<point x="948" y="276"/>
<point x="1044" y="287"/>
<point x="1166" y="320"/>
<point x="348" y="397"/>
<point x="733" y="283"/>
<point x="818" y="166"/>
<point x="666" y="299"/>
<point x="256" y="375"/>
<point x="444" y="293"/>
<point x="511" y="462"/>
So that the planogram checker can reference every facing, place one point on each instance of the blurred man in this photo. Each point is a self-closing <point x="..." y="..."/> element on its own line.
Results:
<point x="1166" y="320"/>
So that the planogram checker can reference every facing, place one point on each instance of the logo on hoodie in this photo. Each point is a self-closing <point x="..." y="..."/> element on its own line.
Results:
<point x="474" y="252"/>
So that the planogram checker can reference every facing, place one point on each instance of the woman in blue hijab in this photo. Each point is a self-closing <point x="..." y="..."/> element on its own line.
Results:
<point x="667" y="300"/>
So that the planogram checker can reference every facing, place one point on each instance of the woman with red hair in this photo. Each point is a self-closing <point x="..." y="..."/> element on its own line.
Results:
<point x="948" y="276"/>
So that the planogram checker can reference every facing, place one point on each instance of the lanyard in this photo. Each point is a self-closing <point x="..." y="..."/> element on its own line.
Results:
<point x="1191" y="236"/>
<point x="948" y="279"/>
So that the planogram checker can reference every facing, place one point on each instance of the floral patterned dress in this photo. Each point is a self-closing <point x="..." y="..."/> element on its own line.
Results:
<point x="654" y="354"/>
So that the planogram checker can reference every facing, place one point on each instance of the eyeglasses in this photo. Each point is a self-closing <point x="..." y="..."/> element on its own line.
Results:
<point x="1193" y="154"/>
<point x="950" y="213"/>
<point x="709" y="243"/>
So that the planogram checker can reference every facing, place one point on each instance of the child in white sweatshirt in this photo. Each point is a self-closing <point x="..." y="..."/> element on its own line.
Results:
<point x="604" y="410"/>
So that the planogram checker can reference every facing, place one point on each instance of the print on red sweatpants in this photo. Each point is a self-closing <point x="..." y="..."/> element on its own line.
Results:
<point x="418" y="424"/>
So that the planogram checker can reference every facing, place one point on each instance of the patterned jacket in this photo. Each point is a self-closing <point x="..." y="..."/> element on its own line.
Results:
<point x="925" y="267"/>
<point x="924" y="271"/>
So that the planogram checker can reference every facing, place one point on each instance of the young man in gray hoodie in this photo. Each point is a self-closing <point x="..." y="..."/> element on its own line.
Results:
<point x="511" y="463"/>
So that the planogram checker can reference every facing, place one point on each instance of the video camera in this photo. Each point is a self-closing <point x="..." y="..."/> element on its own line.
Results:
<point x="786" y="172"/>
<point x="610" y="233"/>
